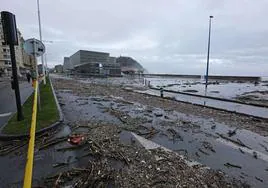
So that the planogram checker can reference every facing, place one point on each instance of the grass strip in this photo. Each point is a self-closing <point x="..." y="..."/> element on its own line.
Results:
<point x="45" y="117"/>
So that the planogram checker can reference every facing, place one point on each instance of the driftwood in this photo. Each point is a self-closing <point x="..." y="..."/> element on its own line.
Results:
<point x="237" y="142"/>
<point x="232" y="165"/>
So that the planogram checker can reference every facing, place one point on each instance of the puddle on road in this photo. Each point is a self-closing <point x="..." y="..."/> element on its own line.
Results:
<point x="82" y="108"/>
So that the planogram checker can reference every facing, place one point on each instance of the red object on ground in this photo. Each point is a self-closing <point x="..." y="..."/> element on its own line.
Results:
<point x="76" y="139"/>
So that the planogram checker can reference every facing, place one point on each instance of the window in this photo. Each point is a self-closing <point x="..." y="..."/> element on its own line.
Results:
<point x="3" y="43"/>
<point x="4" y="50"/>
<point x="7" y="63"/>
<point x="7" y="56"/>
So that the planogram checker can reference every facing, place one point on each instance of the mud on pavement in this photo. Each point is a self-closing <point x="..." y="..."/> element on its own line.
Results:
<point x="111" y="138"/>
<point x="113" y="163"/>
<point x="211" y="137"/>
<point x="256" y="125"/>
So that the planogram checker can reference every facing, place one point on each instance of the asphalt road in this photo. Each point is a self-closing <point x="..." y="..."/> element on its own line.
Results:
<point x="8" y="100"/>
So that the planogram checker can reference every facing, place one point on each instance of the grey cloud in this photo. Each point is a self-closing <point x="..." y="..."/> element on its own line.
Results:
<point x="165" y="36"/>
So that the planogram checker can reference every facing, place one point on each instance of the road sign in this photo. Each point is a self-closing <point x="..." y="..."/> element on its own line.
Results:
<point x="34" y="47"/>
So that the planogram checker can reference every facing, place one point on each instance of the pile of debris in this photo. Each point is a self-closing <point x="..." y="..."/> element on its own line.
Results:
<point x="113" y="163"/>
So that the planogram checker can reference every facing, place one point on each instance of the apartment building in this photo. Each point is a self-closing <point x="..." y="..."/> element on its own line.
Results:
<point x="23" y="60"/>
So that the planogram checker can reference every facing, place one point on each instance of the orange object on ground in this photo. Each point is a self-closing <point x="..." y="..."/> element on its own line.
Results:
<point x="33" y="83"/>
<point x="76" y="139"/>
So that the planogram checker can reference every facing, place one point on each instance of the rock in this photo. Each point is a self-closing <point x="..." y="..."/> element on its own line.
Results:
<point x="158" y="114"/>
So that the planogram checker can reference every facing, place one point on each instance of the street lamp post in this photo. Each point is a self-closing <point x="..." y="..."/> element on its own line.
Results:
<point x="210" y="17"/>
<point x="46" y="41"/>
<point x="40" y="35"/>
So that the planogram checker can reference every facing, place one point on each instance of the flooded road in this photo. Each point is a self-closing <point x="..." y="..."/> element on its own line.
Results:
<point x="217" y="88"/>
<point x="239" y="153"/>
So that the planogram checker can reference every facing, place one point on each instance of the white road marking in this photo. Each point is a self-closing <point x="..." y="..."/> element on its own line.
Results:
<point x="260" y="155"/>
<point x="148" y="144"/>
<point x="5" y="114"/>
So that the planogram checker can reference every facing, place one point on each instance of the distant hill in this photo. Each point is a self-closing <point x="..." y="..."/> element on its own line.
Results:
<point x="128" y="65"/>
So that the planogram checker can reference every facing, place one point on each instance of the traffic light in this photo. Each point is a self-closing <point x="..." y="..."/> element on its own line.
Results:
<point x="9" y="28"/>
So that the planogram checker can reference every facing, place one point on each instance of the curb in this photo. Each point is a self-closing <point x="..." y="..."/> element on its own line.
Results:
<point x="7" y="137"/>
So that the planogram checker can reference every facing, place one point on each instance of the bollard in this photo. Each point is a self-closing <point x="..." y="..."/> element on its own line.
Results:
<point x="161" y="92"/>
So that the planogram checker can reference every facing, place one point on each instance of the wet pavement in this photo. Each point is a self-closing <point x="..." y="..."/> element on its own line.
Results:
<point x="225" y="105"/>
<point x="216" y="88"/>
<point x="8" y="100"/>
<point x="202" y="140"/>
<point x="237" y="152"/>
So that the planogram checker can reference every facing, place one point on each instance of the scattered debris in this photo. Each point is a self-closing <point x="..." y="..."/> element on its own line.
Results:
<point x="57" y="182"/>
<point x="202" y="151"/>
<point x="228" y="165"/>
<point x="213" y="126"/>
<point x="59" y="165"/>
<point x="173" y="135"/>
<point x="111" y="164"/>
<point x="232" y="132"/>
<point x="166" y="117"/>
<point x="61" y="103"/>
<point x="214" y="92"/>
<point x="84" y="103"/>
<point x="11" y="146"/>
<point x="52" y="142"/>
<point x="259" y="179"/>
<point x="238" y="142"/>
<point x="208" y="146"/>
<point x="265" y="148"/>
<point x="150" y="133"/>
<point x="158" y="114"/>
<point x="241" y="150"/>
<point x="255" y="154"/>
<point x="190" y="91"/>
<point x="130" y="120"/>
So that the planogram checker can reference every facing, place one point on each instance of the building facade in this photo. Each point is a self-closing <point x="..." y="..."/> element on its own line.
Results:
<point x="23" y="60"/>
<point x="67" y="66"/>
<point x="84" y="57"/>
<point x="59" y="68"/>
<point x="94" y="63"/>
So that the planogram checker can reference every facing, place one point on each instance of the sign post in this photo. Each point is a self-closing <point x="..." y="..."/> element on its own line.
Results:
<point x="11" y="38"/>
<point x="35" y="48"/>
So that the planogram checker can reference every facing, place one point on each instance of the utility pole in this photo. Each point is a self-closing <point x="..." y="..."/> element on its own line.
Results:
<point x="37" y="76"/>
<point x="209" y="32"/>
<point x="40" y="36"/>
<point x="11" y="38"/>
<point x="46" y="41"/>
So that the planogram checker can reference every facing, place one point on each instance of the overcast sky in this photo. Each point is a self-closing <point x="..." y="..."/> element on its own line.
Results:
<point x="165" y="36"/>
